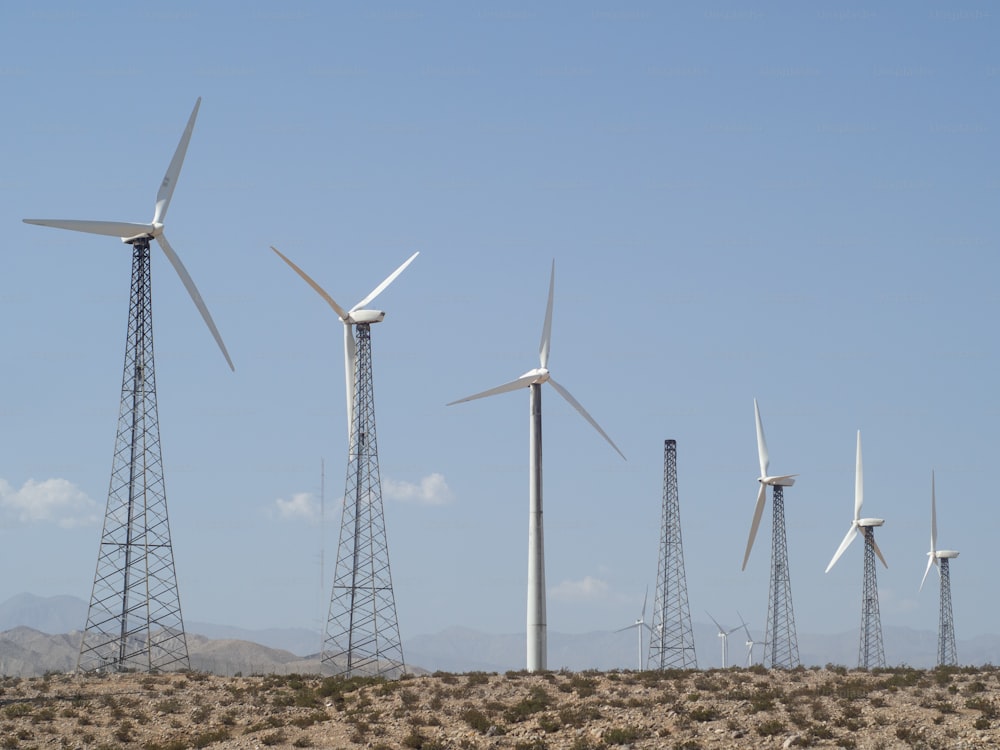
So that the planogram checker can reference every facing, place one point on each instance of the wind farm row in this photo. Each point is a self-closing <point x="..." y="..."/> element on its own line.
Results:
<point x="132" y="625"/>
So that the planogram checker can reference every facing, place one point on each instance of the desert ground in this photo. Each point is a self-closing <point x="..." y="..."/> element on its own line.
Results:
<point x="733" y="708"/>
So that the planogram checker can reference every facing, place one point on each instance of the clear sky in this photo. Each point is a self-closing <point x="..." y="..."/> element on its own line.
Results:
<point x="793" y="202"/>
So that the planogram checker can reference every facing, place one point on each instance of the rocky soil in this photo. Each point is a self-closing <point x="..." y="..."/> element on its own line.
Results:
<point x="734" y="708"/>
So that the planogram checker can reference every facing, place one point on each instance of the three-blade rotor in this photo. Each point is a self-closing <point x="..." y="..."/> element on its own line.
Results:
<point x="356" y="314"/>
<point x="856" y="524"/>
<point x="130" y="232"/>
<point x="785" y="480"/>
<point x="541" y="374"/>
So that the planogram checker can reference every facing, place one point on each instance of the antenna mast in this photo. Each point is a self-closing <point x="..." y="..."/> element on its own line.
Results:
<point x="134" y="619"/>
<point x="671" y="640"/>
<point x="362" y="633"/>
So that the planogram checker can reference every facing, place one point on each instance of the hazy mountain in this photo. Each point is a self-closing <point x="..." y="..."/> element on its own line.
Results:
<point x="42" y="633"/>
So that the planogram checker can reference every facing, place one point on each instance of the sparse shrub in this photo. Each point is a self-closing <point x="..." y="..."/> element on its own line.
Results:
<point x="274" y="738"/>
<point x="620" y="735"/>
<point x="703" y="713"/>
<point x="124" y="731"/>
<point x="168" y="706"/>
<point x="477" y="678"/>
<point x="302" y="741"/>
<point x="981" y="723"/>
<point x="210" y="737"/>
<point x="537" y="700"/>
<point x="771" y="727"/>
<point x="477" y="720"/>
<point x="548" y="723"/>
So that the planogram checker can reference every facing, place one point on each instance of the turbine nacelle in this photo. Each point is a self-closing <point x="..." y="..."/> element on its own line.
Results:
<point x="365" y="316"/>
<point x="786" y="480"/>
<point x="870" y="522"/>
<point x="946" y="554"/>
<point x="539" y="375"/>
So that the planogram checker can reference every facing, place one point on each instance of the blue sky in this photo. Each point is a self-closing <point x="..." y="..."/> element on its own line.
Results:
<point x="790" y="202"/>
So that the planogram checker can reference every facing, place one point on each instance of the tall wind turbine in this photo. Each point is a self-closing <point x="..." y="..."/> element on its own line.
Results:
<point x="362" y="631"/>
<point x="750" y="642"/>
<point x="134" y="619"/>
<point x="724" y="636"/>
<point x="947" y="654"/>
<point x="781" y="645"/>
<point x="533" y="380"/>
<point x="871" y="653"/>
<point x="639" y="625"/>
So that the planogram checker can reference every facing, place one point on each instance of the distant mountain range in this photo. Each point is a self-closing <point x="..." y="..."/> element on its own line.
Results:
<point x="41" y="634"/>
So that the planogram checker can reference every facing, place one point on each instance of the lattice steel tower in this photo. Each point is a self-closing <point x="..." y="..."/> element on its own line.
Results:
<point x="947" y="655"/>
<point x="781" y="646"/>
<point x="671" y="640"/>
<point x="134" y="619"/>
<point x="871" y="653"/>
<point x="362" y="633"/>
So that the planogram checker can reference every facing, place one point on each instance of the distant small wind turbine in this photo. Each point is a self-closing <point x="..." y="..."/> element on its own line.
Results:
<point x="724" y="635"/>
<point x="533" y="380"/>
<point x="750" y="642"/>
<point x="639" y="624"/>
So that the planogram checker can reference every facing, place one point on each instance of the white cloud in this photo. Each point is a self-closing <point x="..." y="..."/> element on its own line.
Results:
<point x="432" y="490"/>
<point x="587" y="590"/>
<point x="52" y="500"/>
<point x="302" y="507"/>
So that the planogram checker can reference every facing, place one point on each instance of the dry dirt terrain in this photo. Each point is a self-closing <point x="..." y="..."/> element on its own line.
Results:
<point x="734" y="708"/>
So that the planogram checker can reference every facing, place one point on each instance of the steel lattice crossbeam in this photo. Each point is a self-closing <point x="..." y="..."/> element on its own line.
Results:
<point x="781" y="647"/>
<point x="362" y="633"/>
<point x="671" y="640"/>
<point x="134" y="620"/>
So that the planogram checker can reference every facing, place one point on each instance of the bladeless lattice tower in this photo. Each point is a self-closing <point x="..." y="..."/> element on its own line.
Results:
<point x="781" y="647"/>
<point x="134" y="620"/>
<point x="671" y="640"/>
<point x="362" y="631"/>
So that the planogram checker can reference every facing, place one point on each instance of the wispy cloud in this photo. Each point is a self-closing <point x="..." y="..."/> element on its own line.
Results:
<point x="588" y="589"/>
<point x="303" y="506"/>
<point x="432" y="490"/>
<point x="50" y="501"/>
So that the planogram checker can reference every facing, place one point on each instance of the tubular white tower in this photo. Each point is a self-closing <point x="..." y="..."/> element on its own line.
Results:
<point x="640" y="625"/>
<point x="533" y="380"/>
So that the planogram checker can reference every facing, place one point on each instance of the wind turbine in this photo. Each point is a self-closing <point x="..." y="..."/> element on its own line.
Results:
<point x="724" y="635"/>
<point x="750" y="642"/>
<point x="780" y="641"/>
<point x="946" y="625"/>
<point x="134" y="618"/>
<point x="870" y="651"/>
<point x="362" y="632"/>
<point x="534" y="379"/>
<point x="639" y="624"/>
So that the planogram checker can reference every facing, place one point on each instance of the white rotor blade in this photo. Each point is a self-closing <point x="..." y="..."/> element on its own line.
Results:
<point x="933" y="518"/>
<point x="859" y="483"/>
<point x="757" y="513"/>
<point x="879" y="552"/>
<point x="644" y="600"/>
<point x="522" y="382"/>
<point x="744" y="624"/>
<point x="350" y="354"/>
<point x="175" y="261"/>
<point x="125" y="229"/>
<point x="761" y="442"/>
<point x="930" y="561"/>
<point x="166" y="190"/>
<point x="628" y="627"/>
<point x="583" y="412"/>
<point x="543" y="348"/>
<point x="320" y="290"/>
<point x="381" y="287"/>
<point x="716" y="622"/>
<point x="853" y="532"/>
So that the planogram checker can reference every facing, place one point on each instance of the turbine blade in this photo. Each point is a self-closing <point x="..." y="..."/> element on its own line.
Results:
<point x="522" y="382"/>
<point x="175" y="261"/>
<point x="579" y="407"/>
<point x="761" y="442"/>
<point x="543" y="348"/>
<point x="853" y="532"/>
<point x="744" y="624"/>
<point x="645" y="598"/>
<point x="930" y="561"/>
<point x="627" y="627"/>
<point x="878" y="552"/>
<point x="716" y="622"/>
<point x="123" y="229"/>
<point x="350" y="355"/>
<point x="320" y="290"/>
<point x="933" y="518"/>
<point x="381" y="287"/>
<point x="166" y="190"/>
<point x="859" y="483"/>
<point x="757" y="513"/>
